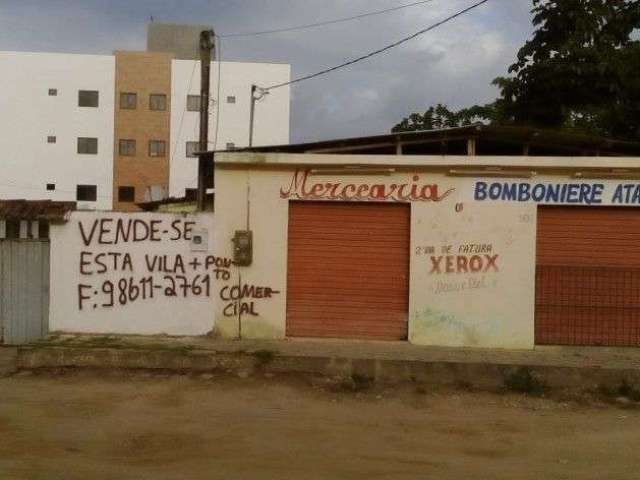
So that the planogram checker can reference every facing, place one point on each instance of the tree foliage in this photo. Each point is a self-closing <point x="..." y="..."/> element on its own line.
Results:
<point x="580" y="70"/>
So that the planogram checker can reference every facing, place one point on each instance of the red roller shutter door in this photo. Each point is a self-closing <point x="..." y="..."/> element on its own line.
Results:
<point x="348" y="270"/>
<point x="588" y="276"/>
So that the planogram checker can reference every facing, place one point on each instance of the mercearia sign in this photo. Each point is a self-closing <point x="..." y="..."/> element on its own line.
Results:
<point x="414" y="190"/>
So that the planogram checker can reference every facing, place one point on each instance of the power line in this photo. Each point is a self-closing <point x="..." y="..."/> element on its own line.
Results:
<point x="178" y="139"/>
<point x="328" y="22"/>
<point x="376" y="52"/>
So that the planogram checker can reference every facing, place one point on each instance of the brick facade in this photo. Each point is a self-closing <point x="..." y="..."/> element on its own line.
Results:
<point x="144" y="74"/>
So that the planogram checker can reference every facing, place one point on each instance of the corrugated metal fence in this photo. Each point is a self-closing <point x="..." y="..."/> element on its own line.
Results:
<point x="24" y="290"/>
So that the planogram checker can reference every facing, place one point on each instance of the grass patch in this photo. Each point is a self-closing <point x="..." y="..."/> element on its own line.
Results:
<point x="524" y="381"/>
<point x="357" y="383"/>
<point x="625" y="390"/>
<point x="264" y="357"/>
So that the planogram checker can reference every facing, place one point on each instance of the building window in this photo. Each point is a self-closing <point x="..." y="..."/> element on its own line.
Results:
<point x="51" y="139"/>
<point x="126" y="194"/>
<point x="231" y="146"/>
<point x="157" y="101"/>
<point x="191" y="194"/>
<point x="53" y="92"/>
<point x="43" y="229"/>
<point x="127" y="148"/>
<point x="86" y="193"/>
<point x="51" y="187"/>
<point x="12" y="229"/>
<point x="88" y="145"/>
<point x="193" y="103"/>
<point x="157" y="148"/>
<point x="231" y="99"/>
<point x="128" y="101"/>
<point x="192" y="148"/>
<point x="88" y="98"/>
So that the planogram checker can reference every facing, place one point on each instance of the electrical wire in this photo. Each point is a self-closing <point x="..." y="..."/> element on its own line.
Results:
<point x="376" y="52"/>
<point x="178" y="139"/>
<point x="321" y="24"/>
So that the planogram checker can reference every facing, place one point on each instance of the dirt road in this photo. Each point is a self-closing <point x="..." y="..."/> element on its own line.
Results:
<point x="116" y="426"/>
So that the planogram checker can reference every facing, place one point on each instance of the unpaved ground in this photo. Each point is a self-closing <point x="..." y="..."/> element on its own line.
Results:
<point x="137" y="426"/>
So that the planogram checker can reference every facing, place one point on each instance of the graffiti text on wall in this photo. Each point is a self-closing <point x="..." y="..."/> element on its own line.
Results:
<point x="126" y="276"/>
<point x="302" y="188"/>
<point x="559" y="193"/>
<point x="240" y="299"/>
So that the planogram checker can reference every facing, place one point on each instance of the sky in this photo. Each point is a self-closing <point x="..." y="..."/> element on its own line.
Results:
<point x="453" y="64"/>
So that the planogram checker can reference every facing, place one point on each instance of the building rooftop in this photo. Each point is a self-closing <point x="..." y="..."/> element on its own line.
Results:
<point x="469" y="140"/>
<point x="36" y="210"/>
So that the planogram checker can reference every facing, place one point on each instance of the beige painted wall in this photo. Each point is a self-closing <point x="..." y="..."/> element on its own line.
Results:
<point x="492" y="307"/>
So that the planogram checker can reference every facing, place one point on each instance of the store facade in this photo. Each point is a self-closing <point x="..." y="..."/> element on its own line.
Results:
<point x="510" y="253"/>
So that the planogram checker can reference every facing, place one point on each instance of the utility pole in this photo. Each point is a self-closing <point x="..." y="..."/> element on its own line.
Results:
<point x="257" y="93"/>
<point x="206" y="56"/>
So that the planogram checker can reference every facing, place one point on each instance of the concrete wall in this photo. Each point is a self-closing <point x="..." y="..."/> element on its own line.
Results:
<point x="484" y="300"/>
<point x="137" y="273"/>
<point x="28" y="115"/>
<point x="271" y="120"/>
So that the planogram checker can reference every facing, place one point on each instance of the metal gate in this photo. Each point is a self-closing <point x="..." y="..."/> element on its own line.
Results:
<point x="24" y="290"/>
<point x="348" y="270"/>
<point x="588" y="276"/>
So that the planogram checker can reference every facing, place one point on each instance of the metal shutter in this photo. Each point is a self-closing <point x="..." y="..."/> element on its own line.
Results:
<point x="348" y="271"/>
<point x="588" y="276"/>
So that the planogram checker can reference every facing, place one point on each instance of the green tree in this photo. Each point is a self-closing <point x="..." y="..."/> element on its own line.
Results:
<point x="580" y="71"/>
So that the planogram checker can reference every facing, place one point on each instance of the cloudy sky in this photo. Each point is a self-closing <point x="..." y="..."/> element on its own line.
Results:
<point x="453" y="64"/>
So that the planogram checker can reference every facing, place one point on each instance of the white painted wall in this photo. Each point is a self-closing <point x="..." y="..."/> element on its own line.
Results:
<point x="80" y="286"/>
<point x="271" y="118"/>
<point x="28" y="115"/>
<point x="489" y="309"/>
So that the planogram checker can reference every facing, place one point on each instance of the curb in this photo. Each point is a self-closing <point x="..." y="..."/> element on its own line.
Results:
<point x="8" y="361"/>
<point x="471" y="375"/>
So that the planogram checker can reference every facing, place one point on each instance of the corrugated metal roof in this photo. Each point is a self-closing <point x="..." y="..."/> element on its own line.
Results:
<point x="565" y="142"/>
<point x="36" y="210"/>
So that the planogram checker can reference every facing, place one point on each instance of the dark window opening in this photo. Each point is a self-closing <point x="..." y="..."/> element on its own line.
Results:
<point x="157" y="101"/>
<point x="86" y="193"/>
<point x="12" y="229"/>
<point x="127" y="148"/>
<point x="87" y="145"/>
<point x="128" y="101"/>
<point x="88" y="98"/>
<point x="126" y="194"/>
<point x="193" y="103"/>
<point x="157" y="148"/>
<point x="51" y="139"/>
<point x="191" y="194"/>
<point x="51" y="187"/>
<point x="53" y="92"/>
<point x="43" y="229"/>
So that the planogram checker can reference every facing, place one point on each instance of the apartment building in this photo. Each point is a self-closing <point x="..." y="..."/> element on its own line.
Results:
<point x="56" y="118"/>
<point x="111" y="131"/>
